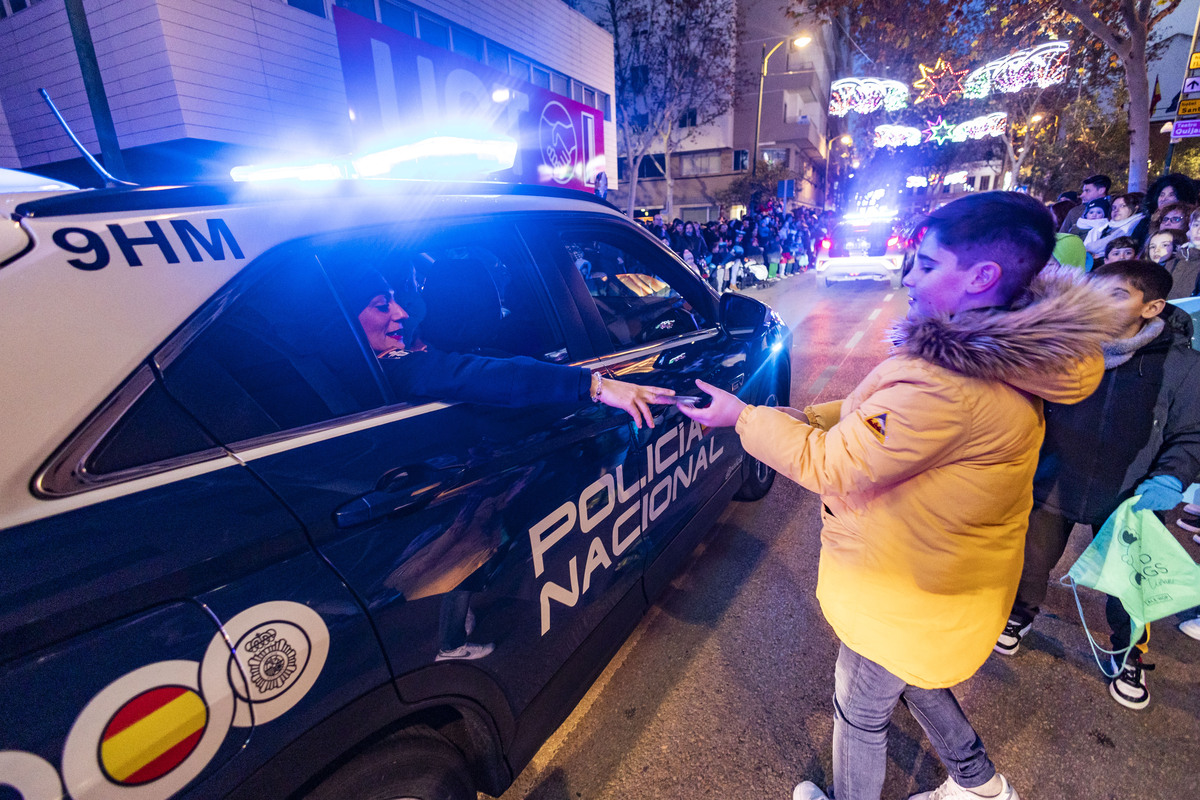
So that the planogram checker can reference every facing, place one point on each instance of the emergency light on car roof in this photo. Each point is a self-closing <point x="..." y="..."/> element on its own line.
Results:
<point x="434" y="158"/>
<point x="868" y="216"/>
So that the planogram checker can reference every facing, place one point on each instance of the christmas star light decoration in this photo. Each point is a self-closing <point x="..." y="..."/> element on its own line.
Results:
<point x="940" y="82"/>
<point x="939" y="132"/>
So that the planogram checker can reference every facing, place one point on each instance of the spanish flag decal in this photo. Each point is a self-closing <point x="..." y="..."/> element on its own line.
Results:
<point x="878" y="426"/>
<point x="152" y="734"/>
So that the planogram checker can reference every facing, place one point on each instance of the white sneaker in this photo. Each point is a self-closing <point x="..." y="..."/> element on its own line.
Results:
<point x="1191" y="627"/>
<point x="808" y="791"/>
<point x="952" y="791"/>
<point x="1009" y="640"/>
<point x="1129" y="687"/>
<point x="468" y="652"/>
<point x="1193" y="509"/>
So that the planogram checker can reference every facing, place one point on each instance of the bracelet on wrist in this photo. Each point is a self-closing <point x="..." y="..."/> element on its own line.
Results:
<point x="597" y="386"/>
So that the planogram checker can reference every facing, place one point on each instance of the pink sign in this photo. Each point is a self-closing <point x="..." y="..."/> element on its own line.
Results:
<point x="400" y="89"/>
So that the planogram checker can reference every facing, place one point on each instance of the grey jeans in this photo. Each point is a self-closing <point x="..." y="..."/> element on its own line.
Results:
<point x="865" y="694"/>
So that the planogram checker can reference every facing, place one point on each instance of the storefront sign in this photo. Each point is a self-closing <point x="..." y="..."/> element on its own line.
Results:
<point x="400" y="88"/>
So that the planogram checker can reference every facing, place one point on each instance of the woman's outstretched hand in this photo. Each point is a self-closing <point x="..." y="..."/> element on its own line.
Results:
<point x="722" y="412"/>
<point x="635" y="399"/>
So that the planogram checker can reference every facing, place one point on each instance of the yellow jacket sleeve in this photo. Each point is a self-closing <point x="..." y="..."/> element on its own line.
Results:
<point x="907" y="424"/>
<point x="824" y="415"/>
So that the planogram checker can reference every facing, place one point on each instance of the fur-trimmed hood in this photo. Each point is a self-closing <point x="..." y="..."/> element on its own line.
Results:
<point x="1036" y="346"/>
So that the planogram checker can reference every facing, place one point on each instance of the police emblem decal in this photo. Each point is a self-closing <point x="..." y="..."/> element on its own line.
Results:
<point x="878" y="426"/>
<point x="272" y="660"/>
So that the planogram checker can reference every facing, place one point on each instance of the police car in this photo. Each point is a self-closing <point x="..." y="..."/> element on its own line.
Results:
<point x="861" y="247"/>
<point x="232" y="556"/>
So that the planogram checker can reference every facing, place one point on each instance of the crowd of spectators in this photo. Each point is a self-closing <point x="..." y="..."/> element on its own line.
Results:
<point x="724" y="251"/>
<point x="1160" y="225"/>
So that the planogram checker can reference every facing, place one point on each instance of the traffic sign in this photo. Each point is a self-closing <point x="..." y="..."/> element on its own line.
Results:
<point x="1191" y="85"/>
<point x="1194" y="63"/>
<point x="1188" y="108"/>
<point x="1185" y="128"/>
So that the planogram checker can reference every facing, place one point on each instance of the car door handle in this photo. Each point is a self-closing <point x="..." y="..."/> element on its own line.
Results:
<point x="402" y="489"/>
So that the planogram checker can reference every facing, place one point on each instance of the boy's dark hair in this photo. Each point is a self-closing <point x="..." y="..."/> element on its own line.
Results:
<point x="1120" y="241"/>
<point x="1152" y="280"/>
<point x="1103" y="181"/>
<point x="1010" y="228"/>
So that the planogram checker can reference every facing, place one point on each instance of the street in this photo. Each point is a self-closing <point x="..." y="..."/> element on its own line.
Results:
<point x="724" y="690"/>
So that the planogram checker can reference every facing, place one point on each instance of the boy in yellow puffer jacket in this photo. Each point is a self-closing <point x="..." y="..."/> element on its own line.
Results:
<point x="926" y="479"/>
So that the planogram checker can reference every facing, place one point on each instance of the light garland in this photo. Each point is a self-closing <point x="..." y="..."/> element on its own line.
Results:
<point x="993" y="124"/>
<point x="865" y="95"/>
<point x="896" y="136"/>
<point x="1042" y="66"/>
<point x="940" y="82"/>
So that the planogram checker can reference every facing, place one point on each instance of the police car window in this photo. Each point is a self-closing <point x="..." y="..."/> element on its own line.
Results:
<point x="466" y="290"/>
<point x="641" y="293"/>
<point x="280" y="355"/>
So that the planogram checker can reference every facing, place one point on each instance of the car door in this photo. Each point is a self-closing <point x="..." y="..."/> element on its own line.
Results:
<point x="116" y="672"/>
<point x="654" y="321"/>
<point x="440" y="513"/>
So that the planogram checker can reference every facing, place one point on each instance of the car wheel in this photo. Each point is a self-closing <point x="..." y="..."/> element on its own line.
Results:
<point x="757" y="477"/>
<point x="416" y="764"/>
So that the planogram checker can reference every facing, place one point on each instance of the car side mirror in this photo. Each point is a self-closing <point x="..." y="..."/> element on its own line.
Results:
<point x="743" y="318"/>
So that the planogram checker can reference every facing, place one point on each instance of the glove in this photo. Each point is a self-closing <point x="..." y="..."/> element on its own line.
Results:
<point x="1160" y="493"/>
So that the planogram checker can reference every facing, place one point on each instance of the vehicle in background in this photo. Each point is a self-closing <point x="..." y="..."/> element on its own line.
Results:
<point x="860" y="248"/>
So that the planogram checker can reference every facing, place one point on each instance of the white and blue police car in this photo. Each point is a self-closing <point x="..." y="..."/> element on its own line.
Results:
<point x="237" y="560"/>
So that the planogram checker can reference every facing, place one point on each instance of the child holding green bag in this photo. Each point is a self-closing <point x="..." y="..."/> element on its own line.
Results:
<point x="1138" y="434"/>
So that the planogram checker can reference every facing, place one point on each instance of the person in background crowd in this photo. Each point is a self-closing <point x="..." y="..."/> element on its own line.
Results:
<point x="1125" y="217"/>
<point x="657" y="228"/>
<point x="1093" y="188"/>
<point x="1172" y="188"/>
<point x="1061" y="210"/>
<point x="918" y="589"/>
<point x="1162" y="245"/>
<point x="1104" y="450"/>
<point x="1095" y="215"/>
<point x="1121" y="248"/>
<point x="1173" y="216"/>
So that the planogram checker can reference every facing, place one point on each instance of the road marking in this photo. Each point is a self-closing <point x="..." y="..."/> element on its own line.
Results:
<point x="888" y="296"/>
<point x="855" y="339"/>
<point x="874" y="314"/>
<point x="822" y="379"/>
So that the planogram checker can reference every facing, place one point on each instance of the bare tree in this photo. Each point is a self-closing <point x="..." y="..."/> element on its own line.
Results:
<point x="674" y="63"/>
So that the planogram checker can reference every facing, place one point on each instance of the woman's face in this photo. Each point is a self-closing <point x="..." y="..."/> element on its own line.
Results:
<point x="1120" y="211"/>
<point x="1167" y="195"/>
<point x="381" y="322"/>
<point x="1194" y="231"/>
<point x="1161" y="247"/>
<point x="1121" y="254"/>
<point x="1173" y="220"/>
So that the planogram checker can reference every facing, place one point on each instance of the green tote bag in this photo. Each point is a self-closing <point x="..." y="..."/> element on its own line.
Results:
<point x="1136" y="559"/>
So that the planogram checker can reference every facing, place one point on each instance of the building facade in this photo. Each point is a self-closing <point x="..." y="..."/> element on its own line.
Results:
<point x="794" y="128"/>
<point x="196" y="87"/>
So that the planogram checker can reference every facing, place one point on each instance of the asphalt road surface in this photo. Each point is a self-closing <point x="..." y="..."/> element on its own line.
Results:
<point x="724" y="690"/>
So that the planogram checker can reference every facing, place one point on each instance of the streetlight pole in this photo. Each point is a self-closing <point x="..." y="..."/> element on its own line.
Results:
<point x="799" y="41"/>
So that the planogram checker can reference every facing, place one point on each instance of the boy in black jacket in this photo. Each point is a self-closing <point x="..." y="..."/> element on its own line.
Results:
<point x="1139" y="433"/>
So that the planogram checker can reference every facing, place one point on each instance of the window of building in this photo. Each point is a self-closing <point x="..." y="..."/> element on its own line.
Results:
<point x="688" y="118"/>
<point x="602" y="100"/>
<point x="364" y="8"/>
<point x="774" y="155"/>
<point x="518" y="68"/>
<point x="432" y="31"/>
<point x="741" y="160"/>
<point x="652" y="166"/>
<point x="589" y="96"/>
<point x="541" y="77"/>
<point x="497" y="57"/>
<point x="691" y="164"/>
<point x="985" y="183"/>
<point x="560" y="84"/>
<point x="577" y="91"/>
<point x="399" y="16"/>
<point x="311" y="6"/>
<point x="467" y="43"/>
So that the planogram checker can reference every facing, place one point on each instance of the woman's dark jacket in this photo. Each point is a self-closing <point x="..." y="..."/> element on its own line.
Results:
<point x="518" y="381"/>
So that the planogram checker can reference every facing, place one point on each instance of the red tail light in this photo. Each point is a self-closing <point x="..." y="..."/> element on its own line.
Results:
<point x="892" y="242"/>
<point x="826" y="244"/>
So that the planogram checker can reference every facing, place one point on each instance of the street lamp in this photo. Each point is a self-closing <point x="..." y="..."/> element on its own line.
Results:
<point x="800" y="41"/>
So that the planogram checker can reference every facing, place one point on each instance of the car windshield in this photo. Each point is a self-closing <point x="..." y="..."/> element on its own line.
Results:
<point x="860" y="239"/>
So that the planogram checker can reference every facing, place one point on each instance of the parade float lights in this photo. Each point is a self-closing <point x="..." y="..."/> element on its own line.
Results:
<point x="939" y="82"/>
<point x="1041" y="66"/>
<point x="865" y="95"/>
